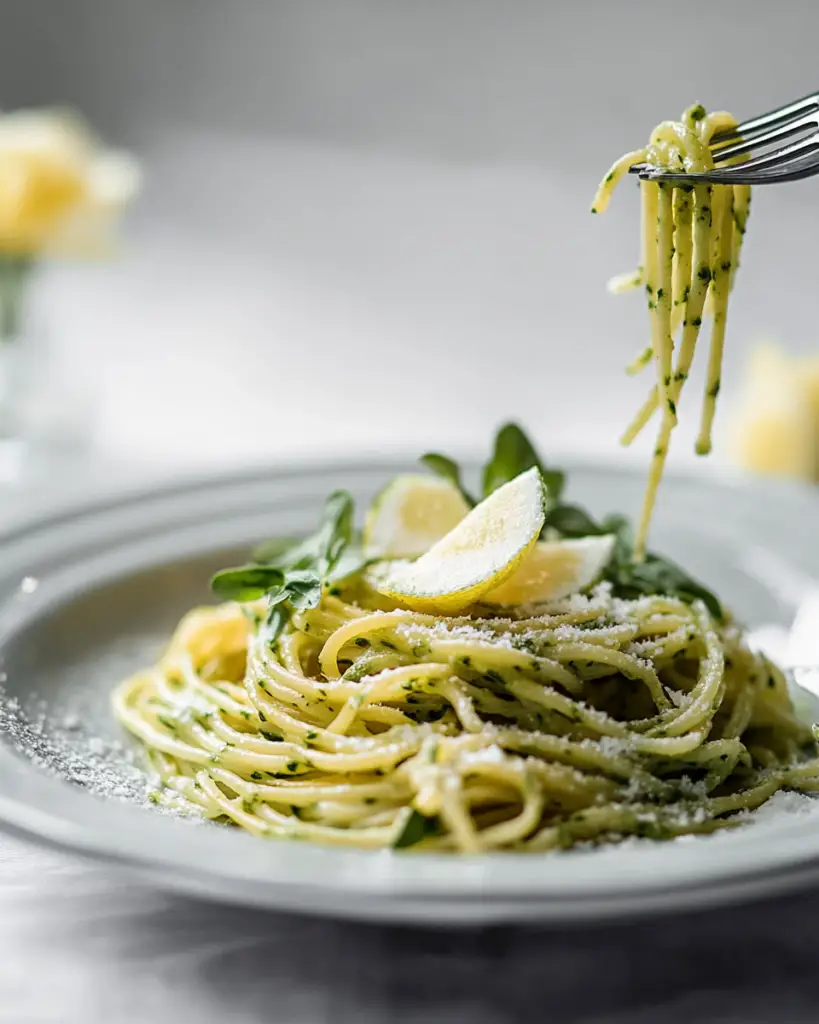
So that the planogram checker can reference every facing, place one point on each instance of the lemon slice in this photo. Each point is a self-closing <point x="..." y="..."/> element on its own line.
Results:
<point x="554" y="569"/>
<point x="410" y="514"/>
<point x="477" y="555"/>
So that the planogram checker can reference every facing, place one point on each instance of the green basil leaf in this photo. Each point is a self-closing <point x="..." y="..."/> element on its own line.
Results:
<point x="277" y="595"/>
<point x="657" y="575"/>
<point x="278" y="616"/>
<point x="513" y="454"/>
<point x="668" y="578"/>
<point x="335" y="532"/>
<point x="247" y="582"/>
<point x="630" y="579"/>
<point x="322" y="549"/>
<point x="572" y="521"/>
<point x="352" y="561"/>
<point x="709" y="599"/>
<point x="418" y="827"/>
<point x="303" y="588"/>
<point x="278" y="551"/>
<point x="293" y="572"/>
<point x="624" y="542"/>
<point x="447" y="468"/>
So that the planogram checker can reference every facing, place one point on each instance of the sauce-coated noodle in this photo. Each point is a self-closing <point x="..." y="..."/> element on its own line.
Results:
<point x="691" y="241"/>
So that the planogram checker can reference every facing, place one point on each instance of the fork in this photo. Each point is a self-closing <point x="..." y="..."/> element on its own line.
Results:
<point x="799" y="159"/>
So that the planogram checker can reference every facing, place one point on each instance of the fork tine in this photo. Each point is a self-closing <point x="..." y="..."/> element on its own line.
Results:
<point x="800" y="169"/>
<point x="780" y="157"/>
<point x="799" y="159"/>
<point x="771" y="135"/>
<point x="804" y="168"/>
<point x="803" y="162"/>
<point x="746" y="146"/>
<point x="793" y="172"/>
<point x="782" y="115"/>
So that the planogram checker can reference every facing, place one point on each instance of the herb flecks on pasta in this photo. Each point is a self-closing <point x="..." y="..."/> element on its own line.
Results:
<point x="691" y="242"/>
<point x="313" y="707"/>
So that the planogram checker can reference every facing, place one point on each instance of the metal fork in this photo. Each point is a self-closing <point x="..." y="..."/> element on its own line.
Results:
<point x="799" y="159"/>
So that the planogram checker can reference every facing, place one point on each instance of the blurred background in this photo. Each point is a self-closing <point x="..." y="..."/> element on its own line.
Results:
<point x="365" y="225"/>
<point x="364" y="228"/>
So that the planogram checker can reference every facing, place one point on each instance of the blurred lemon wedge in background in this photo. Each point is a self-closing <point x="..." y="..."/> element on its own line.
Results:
<point x="554" y="569"/>
<point x="410" y="514"/>
<point x="775" y="422"/>
<point x="477" y="555"/>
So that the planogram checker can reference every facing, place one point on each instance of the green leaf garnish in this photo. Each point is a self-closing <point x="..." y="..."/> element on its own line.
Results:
<point x="621" y="528"/>
<point x="246" y="582"/>
<point x="303" y="588"/>
<point x="630" y="579"/>
<point x="417" y="828"/>
<point x="351" y="562"/>
<point x="321" y="550"/>
<point x="335" y="532"/>
<point x="279" y="551"/>
<point x="656" y="575"/>
<point x="277" y="618"/>
<point x="514" y="453"/>
<point x="447" y="468"/>
<point x="296" y="571"/>
<point x="572" y="521"/>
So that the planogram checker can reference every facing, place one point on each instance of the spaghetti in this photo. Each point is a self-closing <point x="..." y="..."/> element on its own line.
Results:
<point x="691" y="242"/>
<point x="367" y="725"/>
<point x="314" y="706"/>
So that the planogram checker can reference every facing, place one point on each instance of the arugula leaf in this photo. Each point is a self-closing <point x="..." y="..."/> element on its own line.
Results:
<point x="417" y="827"/>
<point x="246" y="582"/>
<point x="447" y="468"/>
<point x="277" y="618"/>
<point x="277" y="595"/>
<point x="352" y="561"/>
<point x="620" y="526"/>
<point x="303" y="587"/>
<point x="335" y="532"/>
<point x="513" y="454"/>
<point x="656" y="575"/>
<point x="279" y="551"/>
<point x="333" y="542"/>
<point x="295" y="571"/>
<point x="572" y="521"/>
<point x="630" y="579"/>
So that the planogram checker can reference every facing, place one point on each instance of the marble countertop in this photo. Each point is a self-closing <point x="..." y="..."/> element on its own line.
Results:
<point x="81" y="945"/>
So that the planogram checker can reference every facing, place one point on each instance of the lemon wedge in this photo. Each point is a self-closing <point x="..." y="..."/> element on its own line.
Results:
<point x="554" y="569"/>
<point x="774" y="428"/>
<point x="410" y="514"/>
<point x="477" y="555"/>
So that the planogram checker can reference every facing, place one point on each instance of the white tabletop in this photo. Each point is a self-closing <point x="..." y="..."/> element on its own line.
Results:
<point x="81" y="945"/>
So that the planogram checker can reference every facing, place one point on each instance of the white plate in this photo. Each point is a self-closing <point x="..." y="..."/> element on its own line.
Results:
<point x="111" y="581"/>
